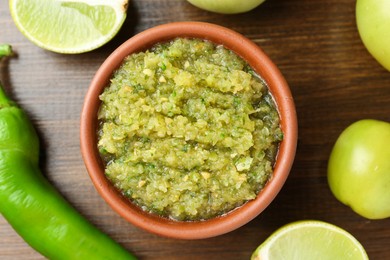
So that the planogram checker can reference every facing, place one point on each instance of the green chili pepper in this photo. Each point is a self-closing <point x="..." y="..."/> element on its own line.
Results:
<point x="33" y="206"/>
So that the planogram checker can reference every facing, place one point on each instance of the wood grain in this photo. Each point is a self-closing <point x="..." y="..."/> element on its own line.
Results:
<point x="333" y="79"/>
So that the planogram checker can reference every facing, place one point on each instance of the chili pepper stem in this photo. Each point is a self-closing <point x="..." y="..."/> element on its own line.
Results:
<point x="4" y="100"/>
<point x="5" y="50"/>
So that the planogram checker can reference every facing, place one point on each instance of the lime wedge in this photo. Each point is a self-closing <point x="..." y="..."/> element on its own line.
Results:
<point x="308" y="240"/>
<point x="69" y="26"/>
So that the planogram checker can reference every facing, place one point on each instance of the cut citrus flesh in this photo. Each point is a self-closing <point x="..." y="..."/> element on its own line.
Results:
<point x="69" y="26"/>
<point x="310" y="239"/>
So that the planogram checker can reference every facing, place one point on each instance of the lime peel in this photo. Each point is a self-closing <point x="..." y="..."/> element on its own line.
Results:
<point x="310" y="239"/>
<point x="69" y="26"/>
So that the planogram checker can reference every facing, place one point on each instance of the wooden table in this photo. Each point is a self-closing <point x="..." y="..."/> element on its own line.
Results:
<point x="333" y="78"/>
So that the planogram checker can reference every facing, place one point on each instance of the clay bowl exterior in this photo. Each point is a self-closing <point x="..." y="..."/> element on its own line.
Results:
<point x="259" y="62"/>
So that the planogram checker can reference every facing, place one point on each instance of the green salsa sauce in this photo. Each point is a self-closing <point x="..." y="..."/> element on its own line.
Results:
<point x="187" y="130"/>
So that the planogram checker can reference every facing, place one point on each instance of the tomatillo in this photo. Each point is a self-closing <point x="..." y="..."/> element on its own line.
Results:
<point x="373" y="23"/>
<point x="227" y="6"/>
<point x="359" y="168"/>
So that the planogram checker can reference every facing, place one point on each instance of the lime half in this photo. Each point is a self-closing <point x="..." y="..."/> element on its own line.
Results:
<point x="69" y="26"/>
<point x="308" y="240"/>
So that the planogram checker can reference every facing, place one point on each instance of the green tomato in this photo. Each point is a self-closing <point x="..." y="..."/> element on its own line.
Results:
<point x="359" y="168"/>
<point x="227" y="6"/>
<point x="373" y="22"/>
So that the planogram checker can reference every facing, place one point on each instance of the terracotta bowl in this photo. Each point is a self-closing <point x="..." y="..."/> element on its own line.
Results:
<point x="259" y="62"/>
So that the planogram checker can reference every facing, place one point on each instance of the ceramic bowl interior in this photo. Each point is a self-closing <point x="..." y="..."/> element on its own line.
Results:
<point x="259" y="61"/>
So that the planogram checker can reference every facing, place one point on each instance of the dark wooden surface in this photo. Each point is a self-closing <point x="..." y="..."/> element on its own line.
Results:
<point x="333" y="79"/>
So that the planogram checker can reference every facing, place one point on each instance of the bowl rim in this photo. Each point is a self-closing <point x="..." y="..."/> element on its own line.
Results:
<point x="259" y="61"/>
